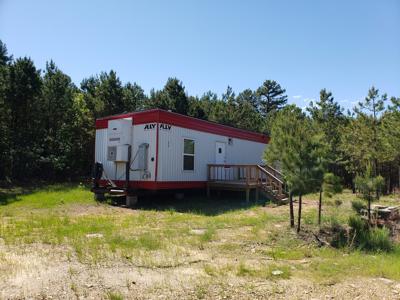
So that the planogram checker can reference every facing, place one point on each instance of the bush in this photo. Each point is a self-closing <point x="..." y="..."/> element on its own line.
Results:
<point x="338" y="202"/>
<point x="357" y="224"/>
<point x="358" y="205"/>
<point x="370" y="239"/>
<point x="334" y="223"/>
<point x="378" y="240"/>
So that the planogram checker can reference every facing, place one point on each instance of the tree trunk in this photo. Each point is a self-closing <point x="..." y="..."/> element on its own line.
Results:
<point x="319" y="207"/>
<point x="291" y="210"/>
<point x="369" y="210"/>
<point x="299" y="214"/>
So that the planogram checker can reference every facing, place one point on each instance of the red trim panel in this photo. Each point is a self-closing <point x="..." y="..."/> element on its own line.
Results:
<point x="156" y="170"/>
<point x="162" y="116"/>
<point x="159" y="185"/>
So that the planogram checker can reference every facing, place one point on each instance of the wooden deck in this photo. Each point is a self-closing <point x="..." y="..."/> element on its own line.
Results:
<point x="246" y="178"/>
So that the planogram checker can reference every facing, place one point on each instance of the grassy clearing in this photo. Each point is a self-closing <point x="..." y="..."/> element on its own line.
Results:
<point x="237" y="239"/>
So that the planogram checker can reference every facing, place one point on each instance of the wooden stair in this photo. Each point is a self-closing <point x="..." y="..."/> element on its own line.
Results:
<point x="272" y="185"/>
<point x="261" y="178"/>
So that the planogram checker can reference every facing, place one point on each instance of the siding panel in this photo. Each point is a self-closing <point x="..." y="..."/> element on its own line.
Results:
<point x="170" y="166"/>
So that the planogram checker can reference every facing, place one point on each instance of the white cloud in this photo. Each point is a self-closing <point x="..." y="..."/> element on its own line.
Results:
<point x="297" y="96"/>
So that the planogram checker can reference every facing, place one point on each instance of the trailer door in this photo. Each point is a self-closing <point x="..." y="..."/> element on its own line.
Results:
<point x="220" y="155"/>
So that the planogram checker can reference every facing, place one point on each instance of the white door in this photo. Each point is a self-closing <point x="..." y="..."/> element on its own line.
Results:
<point x="220" y="155"/>
<point x="220" y="158"/>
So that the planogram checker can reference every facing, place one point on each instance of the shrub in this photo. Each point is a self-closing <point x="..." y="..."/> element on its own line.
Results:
<point x="370" y="239"/>
<point x="358" y="205"/>
<point x="357" y="224"/>
<point x="338" y="202"/>
<point x="379" y="240"/>
<point x="339" y="233"/>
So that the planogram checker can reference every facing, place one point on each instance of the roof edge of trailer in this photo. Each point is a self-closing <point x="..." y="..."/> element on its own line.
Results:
<point x="172" y="118"/>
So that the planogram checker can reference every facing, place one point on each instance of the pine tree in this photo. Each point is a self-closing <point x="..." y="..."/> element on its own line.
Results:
<point x="391" y="135"/>
<point x="26" y="118"/>
<point x="4" y="57"/>
<point x="171" y="97"/>
<point x="330" y="186"/>
<point x="245" y="114"/>
<point x="196" y="108"/>
<point x="82" y="133"/>
<point x="133" y="97"/>
<point x="175" y="91"/>
<point x="369" y="186"/>
<point x="5" y="129"/>
<point x="362" y="139"/>
<point x="271" y="96"/>
<point x="295" y="146"/>
<point x="104" y="94"/>
<point x="110" y="92"/>
<point x="57" y="96"/>
<point x="370" y="109"/>
<point x="328" y="117"/>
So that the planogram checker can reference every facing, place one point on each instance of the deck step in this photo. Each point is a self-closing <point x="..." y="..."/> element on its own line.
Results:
<point x="117" y="192"/>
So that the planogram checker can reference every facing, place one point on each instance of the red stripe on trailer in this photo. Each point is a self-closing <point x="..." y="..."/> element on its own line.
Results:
<point x="162" y="116"/>
<point x="159" y="185"/>
<point x="156" y="171"/>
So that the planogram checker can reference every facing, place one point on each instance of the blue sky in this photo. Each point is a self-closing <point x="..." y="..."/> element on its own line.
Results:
<point x="344" y="46"/>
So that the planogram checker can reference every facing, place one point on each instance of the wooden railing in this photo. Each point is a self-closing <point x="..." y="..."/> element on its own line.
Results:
<point x="239" y="173"/>
<point x="272" y="181"/>
<point x="273" y="171"/>
<point x="261" y="175"/>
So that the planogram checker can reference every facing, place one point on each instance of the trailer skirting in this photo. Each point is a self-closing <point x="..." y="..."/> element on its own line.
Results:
<point x="159" y="185"/>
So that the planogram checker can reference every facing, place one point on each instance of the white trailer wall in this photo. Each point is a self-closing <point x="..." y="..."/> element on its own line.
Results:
<point x="116" y="171"/>
<point x="170" y="153"/>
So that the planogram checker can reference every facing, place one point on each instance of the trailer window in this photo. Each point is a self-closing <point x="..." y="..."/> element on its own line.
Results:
<point x="188" y="155"/>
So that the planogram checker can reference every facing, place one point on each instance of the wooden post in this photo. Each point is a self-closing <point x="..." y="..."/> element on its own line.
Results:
<point x="247" y="194"/>
<point x="258" y="175"/>
<point x="299" y="214"/>
<point x="320" y="206"/>
<point x="257" y="193"/>
<point x="291" y="209"/>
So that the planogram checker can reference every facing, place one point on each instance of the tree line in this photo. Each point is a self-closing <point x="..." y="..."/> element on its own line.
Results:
<point x="320" y="150"/>
<point x="47" y="124"/>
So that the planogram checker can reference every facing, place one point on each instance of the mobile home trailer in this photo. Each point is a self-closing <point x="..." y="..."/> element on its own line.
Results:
<point x="157" y="150"/>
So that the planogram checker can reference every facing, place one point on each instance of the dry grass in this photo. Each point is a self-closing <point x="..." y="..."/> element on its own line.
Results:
<point x="187" y="242"/>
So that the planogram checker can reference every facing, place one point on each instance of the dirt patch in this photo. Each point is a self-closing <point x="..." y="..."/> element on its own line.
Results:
<point x="46" y="272"/>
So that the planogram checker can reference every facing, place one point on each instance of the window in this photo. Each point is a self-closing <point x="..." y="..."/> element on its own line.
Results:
<point x="188" y="155"/>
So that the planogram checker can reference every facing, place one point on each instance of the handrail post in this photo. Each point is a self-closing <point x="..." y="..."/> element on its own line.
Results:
<point x="258" y="175"/>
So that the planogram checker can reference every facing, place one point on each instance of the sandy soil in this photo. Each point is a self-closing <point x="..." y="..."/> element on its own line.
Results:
<point x="46" y="272"/>
<point x="40" y="271"/>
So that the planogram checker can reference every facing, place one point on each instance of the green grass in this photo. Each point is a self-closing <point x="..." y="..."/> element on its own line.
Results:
<point x="264" y="271"/>
<point x="334" y="265"/>
<point x="114" y="296"/>
<point x="239" y="236"/>
<point x="17" y="201"/>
